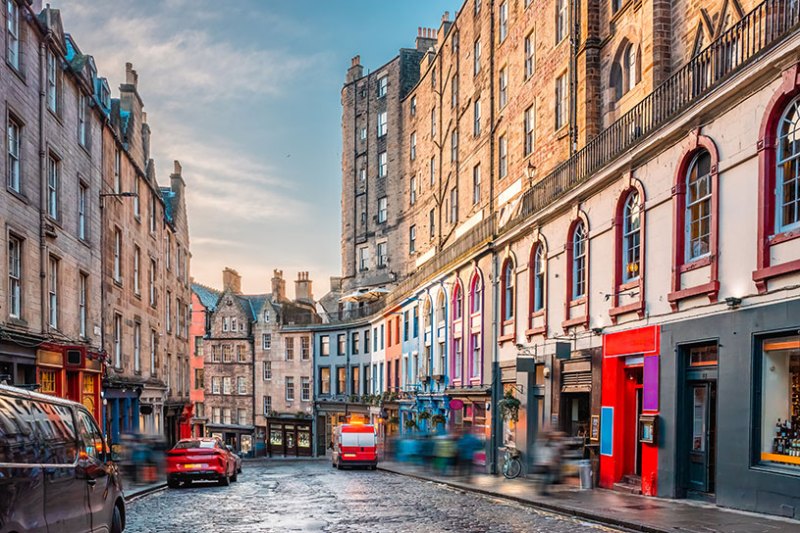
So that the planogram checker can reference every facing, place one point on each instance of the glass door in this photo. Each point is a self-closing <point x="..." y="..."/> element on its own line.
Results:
<point x="699" y="462"/>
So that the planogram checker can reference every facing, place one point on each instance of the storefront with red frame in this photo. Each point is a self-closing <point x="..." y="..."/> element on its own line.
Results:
<point x="71" y="372"/>
<point x="630" y="409"/>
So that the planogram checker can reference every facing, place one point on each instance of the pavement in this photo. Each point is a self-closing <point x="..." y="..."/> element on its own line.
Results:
<point x="134" y="491"/>
<point x="637" y="513"/>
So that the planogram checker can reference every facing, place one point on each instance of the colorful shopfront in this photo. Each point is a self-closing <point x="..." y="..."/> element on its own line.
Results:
<point x="71" y="372"/>
<point x="630" y="410"/>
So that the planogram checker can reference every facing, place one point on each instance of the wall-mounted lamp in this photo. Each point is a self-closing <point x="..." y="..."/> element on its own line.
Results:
<point x="597" y="331"/>
<point x="732" y="302"/>
<point x="546" y="372"/>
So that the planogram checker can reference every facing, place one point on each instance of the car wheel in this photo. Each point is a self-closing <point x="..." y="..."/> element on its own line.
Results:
<point x="116" y="520"/>
<point x="173" y="483"/>
<point x="187" y="483"/>
<point x="225" y="481"/>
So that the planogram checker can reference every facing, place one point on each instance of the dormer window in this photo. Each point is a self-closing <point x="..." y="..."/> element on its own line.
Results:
<point x="266" y="317"/>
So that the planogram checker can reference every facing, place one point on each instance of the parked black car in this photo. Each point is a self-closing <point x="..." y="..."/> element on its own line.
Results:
<point x="56" y="473"/>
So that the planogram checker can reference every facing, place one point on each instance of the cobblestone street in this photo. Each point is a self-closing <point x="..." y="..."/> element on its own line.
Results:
<point x="311" y="496"/>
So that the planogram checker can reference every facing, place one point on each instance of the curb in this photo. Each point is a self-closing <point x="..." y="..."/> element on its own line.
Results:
<point x="562" y="510"/>
<point x="133" y="496"/>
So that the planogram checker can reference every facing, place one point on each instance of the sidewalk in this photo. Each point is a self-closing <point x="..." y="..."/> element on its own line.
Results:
<point x="134" y="491"/>
<point x="653" y="515"/>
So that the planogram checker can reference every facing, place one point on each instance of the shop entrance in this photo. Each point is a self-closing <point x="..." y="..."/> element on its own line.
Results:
<point x="632" y="465"/>
<point x="699" y="420"/>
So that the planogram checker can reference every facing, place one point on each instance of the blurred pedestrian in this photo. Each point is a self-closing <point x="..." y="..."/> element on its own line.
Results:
<point x="466" y="447"/>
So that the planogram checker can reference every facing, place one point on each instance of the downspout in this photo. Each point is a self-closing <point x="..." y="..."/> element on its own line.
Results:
<point x="574" y="36"/>
<point x="43" y="46"/>
<point x="495" y="392"/>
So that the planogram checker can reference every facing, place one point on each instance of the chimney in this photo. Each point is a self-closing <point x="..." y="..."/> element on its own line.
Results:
<point x="176" y="182"/>
<point x="231" y="280"/>
<point x="426" y="39"/>
<point x="131" y="77"/>
<point x="145" y="136"/>
<point x="278" y="286"/>
<point x="356" y="71"/>
<point x="302" y="288"/>
<point x="336" y="284"/>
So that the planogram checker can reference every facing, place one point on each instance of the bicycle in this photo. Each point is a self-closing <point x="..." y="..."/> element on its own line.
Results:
<point x="511" y="463"/>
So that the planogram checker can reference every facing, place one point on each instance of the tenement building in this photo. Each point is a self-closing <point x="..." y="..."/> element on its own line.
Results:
<point x="257" y="365"/>
<point x="590" y="235"/>
<point x="94" y="246"/>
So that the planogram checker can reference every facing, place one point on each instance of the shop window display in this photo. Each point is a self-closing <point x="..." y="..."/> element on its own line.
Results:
<point x="780" y="402"/>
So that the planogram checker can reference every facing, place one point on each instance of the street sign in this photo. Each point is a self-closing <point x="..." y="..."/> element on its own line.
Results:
<point x="456" y="405"/>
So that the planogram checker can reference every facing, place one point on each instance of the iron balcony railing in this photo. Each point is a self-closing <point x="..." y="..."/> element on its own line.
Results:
<point x="353" y="313"/>
<point x="761" y="29"/>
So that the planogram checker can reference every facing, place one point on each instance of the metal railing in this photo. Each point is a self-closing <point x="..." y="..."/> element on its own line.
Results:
<point x="353" y="313"/>
<point x="759" y="30"/>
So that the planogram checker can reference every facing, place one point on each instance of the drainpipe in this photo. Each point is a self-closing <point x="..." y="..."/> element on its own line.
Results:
<point x="574" y="37"/>
<point x="496" y="381"/>
<point x="43" y="47"/>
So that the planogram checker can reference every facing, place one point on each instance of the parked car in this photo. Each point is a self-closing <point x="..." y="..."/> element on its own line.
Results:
<point x="237" y="457"/>
<point x="56" y="472"/>
<point x="200" y="459"/>
<point x="355" y="445"/>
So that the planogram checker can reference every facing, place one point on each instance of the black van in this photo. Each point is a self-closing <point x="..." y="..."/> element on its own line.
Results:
<point x="56" y="472"/>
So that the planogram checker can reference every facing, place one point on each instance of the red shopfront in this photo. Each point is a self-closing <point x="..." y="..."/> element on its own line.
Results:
<point x="70" y="372"/>
<point x="629" y="412"/>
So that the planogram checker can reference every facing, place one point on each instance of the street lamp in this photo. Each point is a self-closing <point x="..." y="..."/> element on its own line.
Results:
<point x="530" y="172"/>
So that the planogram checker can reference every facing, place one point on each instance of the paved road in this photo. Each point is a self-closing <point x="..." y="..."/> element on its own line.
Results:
<point x="311" y="496"/>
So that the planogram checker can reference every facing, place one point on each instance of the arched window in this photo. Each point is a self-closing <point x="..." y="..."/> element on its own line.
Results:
<point x="787" y="175"/>
<point x="537" y="279"/>
<point x="697" y="219"/>
<point x="508" y="290"/>
<point x="427" y="317"/>
<point x="440" y="311"/>
<point x="475" y="294"/>
<point x="630" y="66"/>
<point x="579" y="245"/>
<point x="626" y="69"/>
<point x="458" y="301"/>
<point x="475" y="333"/>
<point x="631" y="245"/>
<point x="457" y="333"/>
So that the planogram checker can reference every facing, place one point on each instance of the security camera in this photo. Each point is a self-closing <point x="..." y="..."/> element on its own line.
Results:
<point x="519" y="346"/>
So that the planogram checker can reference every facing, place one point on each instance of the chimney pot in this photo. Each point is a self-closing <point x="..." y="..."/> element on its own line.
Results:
<point x="178" y="169"/>
<point x="446" y="16"/>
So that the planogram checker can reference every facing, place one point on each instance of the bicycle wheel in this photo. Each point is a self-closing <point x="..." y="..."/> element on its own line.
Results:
<point x="512" y="468"/>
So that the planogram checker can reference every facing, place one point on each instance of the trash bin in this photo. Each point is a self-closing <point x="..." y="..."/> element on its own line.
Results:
<point x="585" y="474"/>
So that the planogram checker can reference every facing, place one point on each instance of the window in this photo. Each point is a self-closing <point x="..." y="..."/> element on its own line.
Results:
<point x="502" y="152"/>
<point x="241" y="354"/>
<point x="366" y="340"/>
<point x="412" y="186"/>
<point x="530" y="124"/>
<point x="227" y="384"/>
<point x="454" y="91"/>
<point x="267" y="405"/>
<point x="14" y="277"/>
<point x="241" y="385"/>
<point x="363" y="259"/>
<point x="242" y="417"/>
<point x="413" y="146"/>
<point x="215" y="386"/>
<point x="579" y="261"/>
<point x="168" y="312"/>
<point x="787" y="190"/>
<point x="475" y="370"/>
<point x="476" y="109"/>
<point x="227" y="353"/>
<point x="153" y="345"/>
<point x="383" y="209"/>
<point x="52" y="82"/>
<point x="630" y="66"/>
<point x="561" y="101"/>
<point x="503" y="85"/>
<point x="137" y="205"/>
<point x="266" y="317"/>
<point x="432" y="222"/>
<point x="477" y="57"/>
<point x="355" y="341"/>
<point x="117" y="171"/>
<point x="267" y="370"/>
<point x="341" y="344"/>
<point x="412" y="239"/>
<point x="136" y="275"/>
<point x="83" y="133"/>
<point x="383" y="258"/>
<point x="476" y="184"/>
<point x="382" y="123"/>
<point x="12" y="49"/>
<point x="226" y="324"/>
<point x="413" y="106"/>
<point x="325" y="345"/>
<point x="780" y="402"/>
<point x="383" y="83"/>
<point x="83" y="192"/>
<point x="168" y="252"/>
<point x="631" y="224"/>
<point x="537" y="282"/>
<point x="562" y="18"/>
<point x="477" y="6"/>
<point x="215" y="357"/>
<point x="341" y="380"/>
<point x="137" y="347"/>
<point x="152" y="287"/>
<point x="13" y="140"/>
<point x="83" y="293"/>
<point x="305" y="389"/>
<point x="289" y="348"/>
<point x="226" y="415"/>
<point x="433" y="77"/>
<point x="458" y="357"/>
<point x="117" y="341"/>
<point x="615" y="5"/>
<point x="530" y="55"/>
<point x="433" y="170"/>
<point x="475" y="294"/>
<point x="305" y="348"/>
<point x="433" y="122"/>
<point x="503" y="21"/>
<point x="266" y="341"/>
<point x="698" y="207"/>
<point x="325" y="380"/>
<point x="117" y="256"/>
<point x="199" y="378"/>
<point x="53" y="185"/>
<point x="383" y="165"/>
<point x="355" y="380"/>
<point x="153" y="213"/>
<point x="453" y="205"/>
<point x="507" y="283"/>
<point x="53" y="291"/>
<point x="363" y="134"/>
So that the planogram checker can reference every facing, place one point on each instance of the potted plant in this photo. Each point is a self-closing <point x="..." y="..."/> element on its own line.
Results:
<point x="438" y="419"/>
<point x="410" y="424"/>
<point x="424" y="415"/>
<point x="509" y="407"/>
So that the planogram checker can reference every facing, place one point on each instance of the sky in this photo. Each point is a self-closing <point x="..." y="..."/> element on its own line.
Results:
<point x="246" y="94"/>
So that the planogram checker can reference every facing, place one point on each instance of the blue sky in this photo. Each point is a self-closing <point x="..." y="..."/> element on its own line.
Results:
<point x="246" y="94"/>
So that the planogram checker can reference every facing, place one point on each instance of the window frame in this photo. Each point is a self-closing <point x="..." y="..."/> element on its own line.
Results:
<point x="623" y="302"/>
<point x="15" y="277"/>
<point x="537" y="287"/>
<point x="13" y="152"/>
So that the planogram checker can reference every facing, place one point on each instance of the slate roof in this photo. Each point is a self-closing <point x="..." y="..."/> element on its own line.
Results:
<point x="208" y="296"/>
<point x="253" y="303"/>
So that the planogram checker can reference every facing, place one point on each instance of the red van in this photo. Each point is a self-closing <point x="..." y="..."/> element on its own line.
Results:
<point x="355" y="445"/>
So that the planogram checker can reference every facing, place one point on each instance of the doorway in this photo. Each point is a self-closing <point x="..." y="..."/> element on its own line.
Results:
<point x="633" y="410"/>
<point x="699" y="422"/>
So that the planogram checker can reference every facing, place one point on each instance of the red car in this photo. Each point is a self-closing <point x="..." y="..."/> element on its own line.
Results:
<point x="200" y="459"/>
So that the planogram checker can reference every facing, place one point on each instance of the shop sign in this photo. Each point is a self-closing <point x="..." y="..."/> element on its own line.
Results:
<point x="456" y="405"/>
<point x="641" y="341"/>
